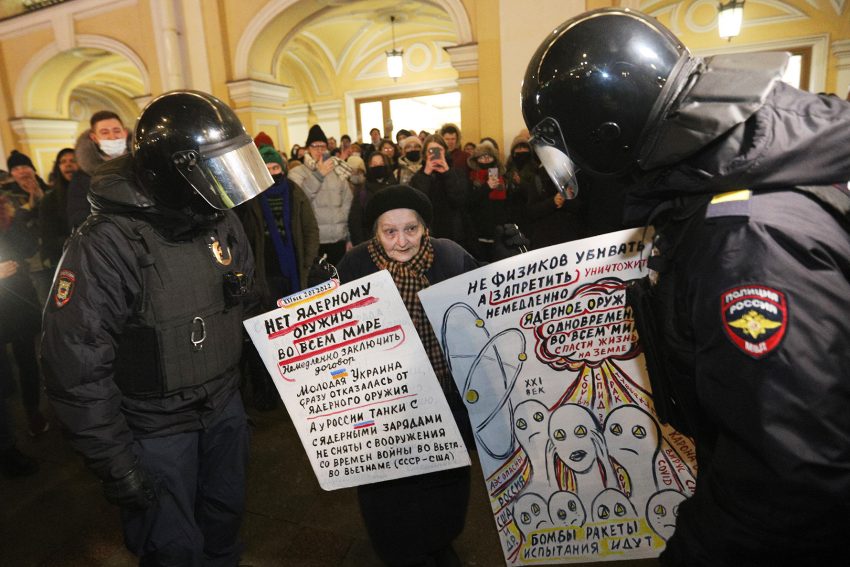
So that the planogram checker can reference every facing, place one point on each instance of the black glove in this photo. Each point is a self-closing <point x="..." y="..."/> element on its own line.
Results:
<point x="508" y="241"/>
<point x="134" y="490"/>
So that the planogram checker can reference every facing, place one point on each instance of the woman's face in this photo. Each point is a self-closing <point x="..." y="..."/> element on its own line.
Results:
<point x="375" y="160"/>
<point x="399" y="232"/>
<point x="67" y="165"/>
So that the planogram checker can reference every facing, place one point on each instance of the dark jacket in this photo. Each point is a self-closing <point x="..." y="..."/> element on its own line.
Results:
<point x="749" y="309"/>
<point x="357" y="227"/>
<point x="547" y="223"/>
<point x="84" y="322"/>
<point x="53" y="221"/>
<point x="19" y="308"/>
<point x="89" y="158"/>
<point x="305" y="240"/>
<point x="450" y="195"/>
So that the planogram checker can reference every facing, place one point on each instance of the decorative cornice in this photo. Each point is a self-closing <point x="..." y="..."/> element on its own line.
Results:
<point x="44" y="129"/>
<point x="258" y="93"/>
<point x="464" y="57"/>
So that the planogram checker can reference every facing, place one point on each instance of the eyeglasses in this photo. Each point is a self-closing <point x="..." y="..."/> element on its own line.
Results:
<point x="318" y="146"/>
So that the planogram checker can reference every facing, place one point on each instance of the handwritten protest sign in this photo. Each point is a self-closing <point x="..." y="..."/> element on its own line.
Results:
<point x="544" y="352"/>
<point x="357" y="383"/>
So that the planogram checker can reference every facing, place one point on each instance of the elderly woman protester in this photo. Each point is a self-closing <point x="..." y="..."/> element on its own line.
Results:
<point x="413" y="520"/>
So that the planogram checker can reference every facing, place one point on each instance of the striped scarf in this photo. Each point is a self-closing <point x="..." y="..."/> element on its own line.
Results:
<point x="410" y="278"/>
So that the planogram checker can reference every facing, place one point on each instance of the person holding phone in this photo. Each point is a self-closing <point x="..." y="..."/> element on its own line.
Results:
<point x="449" y="192"/>
<point x="489" y="195"/>
<point x="325" y="180"/>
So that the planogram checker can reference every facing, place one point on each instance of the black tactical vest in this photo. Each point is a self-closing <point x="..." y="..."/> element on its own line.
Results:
<point x="182" y="332"/>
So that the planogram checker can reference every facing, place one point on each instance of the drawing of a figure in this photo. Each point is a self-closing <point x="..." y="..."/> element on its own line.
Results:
<point x="612" y="505"/>
<point x="531" y="429"/>
<point x="633" y="439"/>
<point x="565" y="509"/>
<point x="531" y="513"/>
<point x="662" y="509"/>
<point x="580" y="447"/>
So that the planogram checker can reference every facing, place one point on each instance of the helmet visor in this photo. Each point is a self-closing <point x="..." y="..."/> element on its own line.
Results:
<point x="548" y="143"/>
<point x="227" y="177"/>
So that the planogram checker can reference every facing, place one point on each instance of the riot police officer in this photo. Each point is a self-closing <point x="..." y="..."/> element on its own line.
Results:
<point x="744" y="323"/>
<point x="143" y="331"/>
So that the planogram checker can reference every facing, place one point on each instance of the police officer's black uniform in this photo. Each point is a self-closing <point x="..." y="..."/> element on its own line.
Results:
<point x="143" y="335"/>
<point x="744" y="319"/>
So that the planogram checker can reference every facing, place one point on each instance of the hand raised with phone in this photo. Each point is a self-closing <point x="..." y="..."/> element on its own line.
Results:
<point x="436" y="160"/>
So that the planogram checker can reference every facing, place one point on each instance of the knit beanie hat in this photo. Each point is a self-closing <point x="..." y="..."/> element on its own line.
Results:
<point x="398" y="197"/>
<point x="263" y="139"/>
<point x="271" y="155"/>
<point x="17" y="158"/>
<point x="316" y="135"/>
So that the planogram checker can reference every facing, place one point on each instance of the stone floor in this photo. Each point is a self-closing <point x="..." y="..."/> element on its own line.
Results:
<point x="59" y="518"/>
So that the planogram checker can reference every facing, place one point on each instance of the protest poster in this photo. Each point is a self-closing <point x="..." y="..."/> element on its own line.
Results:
<point x="357" y="383"/>
<point x="545" y="354"/>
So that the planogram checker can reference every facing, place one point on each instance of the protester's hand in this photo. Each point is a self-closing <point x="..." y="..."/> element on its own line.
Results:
<point x="508" y="241"/>
<point x="559" y="201"/>
<point x="439" y="165"/>
<point x="325" y="166"/>
<point x="134" y="490"/>
<point x="493" y="182"/>
<point x="516" y="177"/>
<point x="348" y="245"/>
<point x="8" y="268"/>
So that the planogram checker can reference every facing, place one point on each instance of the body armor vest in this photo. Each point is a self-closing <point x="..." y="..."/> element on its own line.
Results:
<point x="182" y="332"/>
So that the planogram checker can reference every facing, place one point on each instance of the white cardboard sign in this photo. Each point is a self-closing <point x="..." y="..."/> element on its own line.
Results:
<point x="545" y="354"/>
<point x="357" y="383"/>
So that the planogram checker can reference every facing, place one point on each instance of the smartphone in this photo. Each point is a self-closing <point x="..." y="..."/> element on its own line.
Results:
<point x="493" y="172"/>
<point x="326" y="156"/>
<point x="433" y="154"/>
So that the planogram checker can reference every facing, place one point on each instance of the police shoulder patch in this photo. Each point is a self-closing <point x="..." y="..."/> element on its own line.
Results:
<point x="64" y="287"/>
<point x="754" y="318"/>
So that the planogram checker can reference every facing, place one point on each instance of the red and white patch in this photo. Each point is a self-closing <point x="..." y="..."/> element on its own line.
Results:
<point x="754" y="318"/>
<point x="64" y="287"/>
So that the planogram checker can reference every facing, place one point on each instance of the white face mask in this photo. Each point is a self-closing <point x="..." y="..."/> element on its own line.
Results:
<point x="113" y="148"/>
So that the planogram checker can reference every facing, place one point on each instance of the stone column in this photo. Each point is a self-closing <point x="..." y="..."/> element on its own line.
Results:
<point x="261" y="107"/>
<point x="841" y="51"/>
<point x="464" y="59"/>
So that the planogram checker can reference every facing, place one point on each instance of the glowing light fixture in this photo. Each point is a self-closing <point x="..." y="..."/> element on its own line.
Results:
<point x="730" y="16"/>
<point x="395" y="66"/>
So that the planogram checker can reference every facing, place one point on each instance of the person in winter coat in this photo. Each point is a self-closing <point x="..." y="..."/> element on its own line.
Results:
<point x="379" y="175"/>
<point x="520" y="171"/>
<point x="53" y="219"/>
<point x="413" y="520"/>
<point x="743" y="318"/>
<point x="325" y="181"/>
<point x="450" y="195"/>
<point x="489" y="195"/>
<point x="143" y="331"/>
<point x="410" y="161"/>
<point x="106" y="139"/>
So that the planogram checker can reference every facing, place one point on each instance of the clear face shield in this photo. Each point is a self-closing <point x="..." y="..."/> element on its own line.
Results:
<point x="225" y="174"/>
<point x="547" y="141"/>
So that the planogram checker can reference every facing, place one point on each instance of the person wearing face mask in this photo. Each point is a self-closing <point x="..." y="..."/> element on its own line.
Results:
<point x="411" y="160"/>
<point x="105" y="140"/>
<point x="490" y="195"/>
<point x="379" y="174"/>
<point x="519" y="175"/>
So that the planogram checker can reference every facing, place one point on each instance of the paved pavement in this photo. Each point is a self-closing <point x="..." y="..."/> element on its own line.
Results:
<point x="59" y="518"/>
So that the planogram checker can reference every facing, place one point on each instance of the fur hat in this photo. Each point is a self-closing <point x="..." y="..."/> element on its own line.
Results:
<point x="316" y="135"/>
<point x="519" y="140"/>
<point x="398" y="197"/>
<point x="17" y="158"/>
<point x="263" y="139"/>
<point x="484" y="148"/>
<point x="271" y="155"/>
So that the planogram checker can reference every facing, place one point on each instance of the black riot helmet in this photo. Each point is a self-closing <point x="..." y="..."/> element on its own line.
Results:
<point x="596" y="88"/>
<point x="189" y="143"/>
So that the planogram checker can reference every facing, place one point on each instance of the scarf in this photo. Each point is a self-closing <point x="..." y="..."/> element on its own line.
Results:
<point x="283" y="245"/>
<point x="410" y="278"/>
